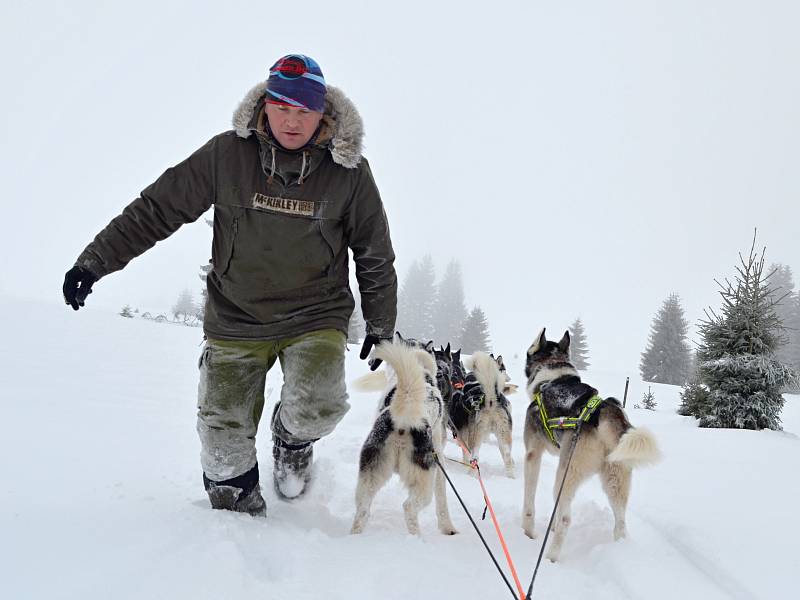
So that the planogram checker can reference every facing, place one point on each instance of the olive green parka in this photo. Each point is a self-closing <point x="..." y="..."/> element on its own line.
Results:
<point x="283" y="223"/>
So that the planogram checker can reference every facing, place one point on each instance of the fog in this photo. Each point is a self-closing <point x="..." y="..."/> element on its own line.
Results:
<point x="579" y="158"/>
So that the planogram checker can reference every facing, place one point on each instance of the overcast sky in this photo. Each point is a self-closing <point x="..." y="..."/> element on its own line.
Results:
<point x="580" y="158"/>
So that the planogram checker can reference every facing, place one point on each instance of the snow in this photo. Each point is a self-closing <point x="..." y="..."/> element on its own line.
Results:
<point x="103" y="496"/>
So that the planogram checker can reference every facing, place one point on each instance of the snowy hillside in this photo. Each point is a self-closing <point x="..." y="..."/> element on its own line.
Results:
<point x="103" y="497"/>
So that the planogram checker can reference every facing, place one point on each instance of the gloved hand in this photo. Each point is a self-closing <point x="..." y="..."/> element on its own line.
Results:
<point x="369" y="342"/>
<point x="77" y="285"/>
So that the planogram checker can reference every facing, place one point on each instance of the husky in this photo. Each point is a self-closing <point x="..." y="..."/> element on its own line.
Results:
<point x="608" y="444"/>
<point x="407" y="432"/>
<point x="481" y="409"/>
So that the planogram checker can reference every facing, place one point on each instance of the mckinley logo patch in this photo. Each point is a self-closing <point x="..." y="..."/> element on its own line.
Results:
<point x="304" y="208"/>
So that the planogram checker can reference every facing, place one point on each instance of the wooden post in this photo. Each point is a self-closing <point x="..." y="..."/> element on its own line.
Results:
<point x="625" y="397"/>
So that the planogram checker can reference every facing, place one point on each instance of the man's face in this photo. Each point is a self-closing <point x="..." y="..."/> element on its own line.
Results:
<point x="292" y="127"/>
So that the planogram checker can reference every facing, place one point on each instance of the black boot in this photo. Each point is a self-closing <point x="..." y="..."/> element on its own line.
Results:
<point x="292" y="471"/>
<point x="240" y="494"/>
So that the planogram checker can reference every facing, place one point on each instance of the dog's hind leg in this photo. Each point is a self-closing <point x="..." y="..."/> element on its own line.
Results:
<point x="420" y="492"/>
<point x="503" y="436"/>
<point x="533" y="462"/>
<point x="616" y="480"/>
<point x="370" y="480"/>
<point x="440" y="493"/>
<point x="579" y="470"/>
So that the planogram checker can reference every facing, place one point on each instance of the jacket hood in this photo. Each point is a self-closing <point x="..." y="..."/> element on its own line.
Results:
<point x="342" y="128"/>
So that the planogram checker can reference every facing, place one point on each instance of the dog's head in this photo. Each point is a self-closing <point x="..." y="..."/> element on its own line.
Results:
<point x="544" y="354"/>
<point x="414" y="343"/>
<point x="458" y="373"/>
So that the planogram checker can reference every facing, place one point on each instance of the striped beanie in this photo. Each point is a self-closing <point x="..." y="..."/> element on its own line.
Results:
<point x="296" y="80"/>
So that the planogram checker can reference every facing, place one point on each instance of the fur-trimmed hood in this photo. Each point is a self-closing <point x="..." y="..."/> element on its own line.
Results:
<point x="342" y="128"/>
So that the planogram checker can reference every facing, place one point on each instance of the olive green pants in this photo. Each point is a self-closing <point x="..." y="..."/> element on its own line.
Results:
<point x="231" y="396"/>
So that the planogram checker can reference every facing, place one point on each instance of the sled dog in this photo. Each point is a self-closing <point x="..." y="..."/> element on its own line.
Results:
<point x="407" y="431"/>
<point x="482" y="409"/>
<point x="608" y="444"/>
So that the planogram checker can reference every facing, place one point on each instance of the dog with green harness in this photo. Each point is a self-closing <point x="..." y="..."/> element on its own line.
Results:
<point x="561" y="407"/>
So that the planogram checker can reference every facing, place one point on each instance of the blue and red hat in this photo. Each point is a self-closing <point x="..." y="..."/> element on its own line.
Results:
<point x="296" y="80"/>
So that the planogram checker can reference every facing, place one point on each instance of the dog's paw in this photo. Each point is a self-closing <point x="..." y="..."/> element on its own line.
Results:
<point x="620" y="533"/>
<point x="357" y="528"/>
<point x="510" y="473"/>
<point x="448" y="530"/>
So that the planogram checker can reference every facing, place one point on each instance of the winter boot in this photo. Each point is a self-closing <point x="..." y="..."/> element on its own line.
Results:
<point x="292" y="472"/>
<point x="240" y="494"/>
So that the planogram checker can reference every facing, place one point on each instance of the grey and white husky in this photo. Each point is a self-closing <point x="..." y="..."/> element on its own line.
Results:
<point x="608" y="444"/>
<point x="481" y="408"/>
<point x="406" y="433"/>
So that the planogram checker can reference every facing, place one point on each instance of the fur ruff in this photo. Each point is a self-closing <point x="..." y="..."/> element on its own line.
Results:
<point x="341" y="117"/>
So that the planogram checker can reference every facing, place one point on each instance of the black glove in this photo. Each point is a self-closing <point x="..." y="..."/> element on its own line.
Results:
<point x="369" y="342"/>
<point x="77" y="285"/>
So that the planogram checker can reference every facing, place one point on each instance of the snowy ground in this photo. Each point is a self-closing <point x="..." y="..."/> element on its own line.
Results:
<point x="103" y="498"/>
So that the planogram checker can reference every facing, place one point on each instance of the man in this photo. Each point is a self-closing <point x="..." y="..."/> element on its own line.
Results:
<point x="291" y="194"/>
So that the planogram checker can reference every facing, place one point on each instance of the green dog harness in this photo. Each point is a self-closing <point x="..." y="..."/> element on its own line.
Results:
<point x="564" y="422"/>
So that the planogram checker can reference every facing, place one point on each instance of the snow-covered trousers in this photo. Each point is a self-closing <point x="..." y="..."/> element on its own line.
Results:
<point x="231" y="396"/>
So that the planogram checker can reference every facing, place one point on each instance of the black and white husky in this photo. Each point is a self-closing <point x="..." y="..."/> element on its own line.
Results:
<point x="481" y="408"/>
<point x="406" y="433"/>
<point x="608" y="444"/>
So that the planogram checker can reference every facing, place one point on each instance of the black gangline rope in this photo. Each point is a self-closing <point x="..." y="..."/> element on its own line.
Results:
<point x="555" y="508"/>
<point x="475" y="526"/>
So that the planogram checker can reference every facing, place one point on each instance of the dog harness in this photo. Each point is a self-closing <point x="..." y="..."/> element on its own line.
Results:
<point x="550" y="424"/>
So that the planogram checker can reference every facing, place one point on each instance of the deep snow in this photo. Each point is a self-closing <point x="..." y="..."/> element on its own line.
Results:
<point x="103" y="498"/>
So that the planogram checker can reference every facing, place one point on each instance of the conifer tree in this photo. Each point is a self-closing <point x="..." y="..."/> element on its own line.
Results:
<point x="781" y="286"/>
<point x="667" y="356"/>
<point x="578" y="349"/>
<point x="694" y="399"/>
<point x="449" y="310"/>
<point x="184" y="306"/>
<point x="475" y="333"/>
<point x="736" y="360"/>
<point x="416" y="300"/>
<point x="648" y="400"/>
<point x="126" y="311"/>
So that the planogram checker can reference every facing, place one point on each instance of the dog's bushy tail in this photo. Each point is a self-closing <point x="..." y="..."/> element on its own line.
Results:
<point x="637" y="447"/>
<point x="410" y="365"/>
<point x="374" y="381"/>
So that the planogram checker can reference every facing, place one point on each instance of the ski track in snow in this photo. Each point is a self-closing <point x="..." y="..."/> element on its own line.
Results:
<point x="103" y="495"/>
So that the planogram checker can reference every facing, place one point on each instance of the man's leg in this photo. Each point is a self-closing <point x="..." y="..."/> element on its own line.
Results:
<point x="313" y="401"/>
<point x="230" y="403"/>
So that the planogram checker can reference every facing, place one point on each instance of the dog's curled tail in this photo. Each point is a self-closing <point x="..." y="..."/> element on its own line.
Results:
<point x="410" y="365"/>
<point x="636" y="448"/>
<point x="374" y="381"/>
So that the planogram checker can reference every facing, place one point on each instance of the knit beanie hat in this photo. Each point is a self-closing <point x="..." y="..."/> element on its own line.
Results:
<point x="296" y="80"/>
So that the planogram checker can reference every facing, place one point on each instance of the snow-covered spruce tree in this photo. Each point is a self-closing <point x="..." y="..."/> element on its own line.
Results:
<point x="416" y="299"/>
<point x="694" y="398"/>
<point x="736" y="359"/>
<point x="449" y="311"/>
<point x="667" y="357"/>
<point x="475" y="333"/>
<point x="578" y="349"/>
<point x="648" y="400"/>
<point x="126" y="311"/>
<point x="204" y="271"/>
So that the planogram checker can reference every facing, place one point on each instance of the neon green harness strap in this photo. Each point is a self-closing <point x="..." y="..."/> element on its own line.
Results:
<point x="564" y="422"/>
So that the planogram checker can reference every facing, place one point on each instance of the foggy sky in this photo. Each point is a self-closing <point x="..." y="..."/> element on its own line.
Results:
<point x="580" y="158"/>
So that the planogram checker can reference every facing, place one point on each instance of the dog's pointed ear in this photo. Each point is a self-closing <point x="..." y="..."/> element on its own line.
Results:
<point x="499" y="360"/>
<point x="538" y="344"/>
<point x="447" y="352"/>
<point x="429" y="346"/>
<point x="563" y="345"/>
<point x="398" y="336"/>
<point x="457" y="356"/>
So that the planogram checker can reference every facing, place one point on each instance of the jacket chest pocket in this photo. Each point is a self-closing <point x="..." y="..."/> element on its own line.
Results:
<point x="273" y="252"/>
